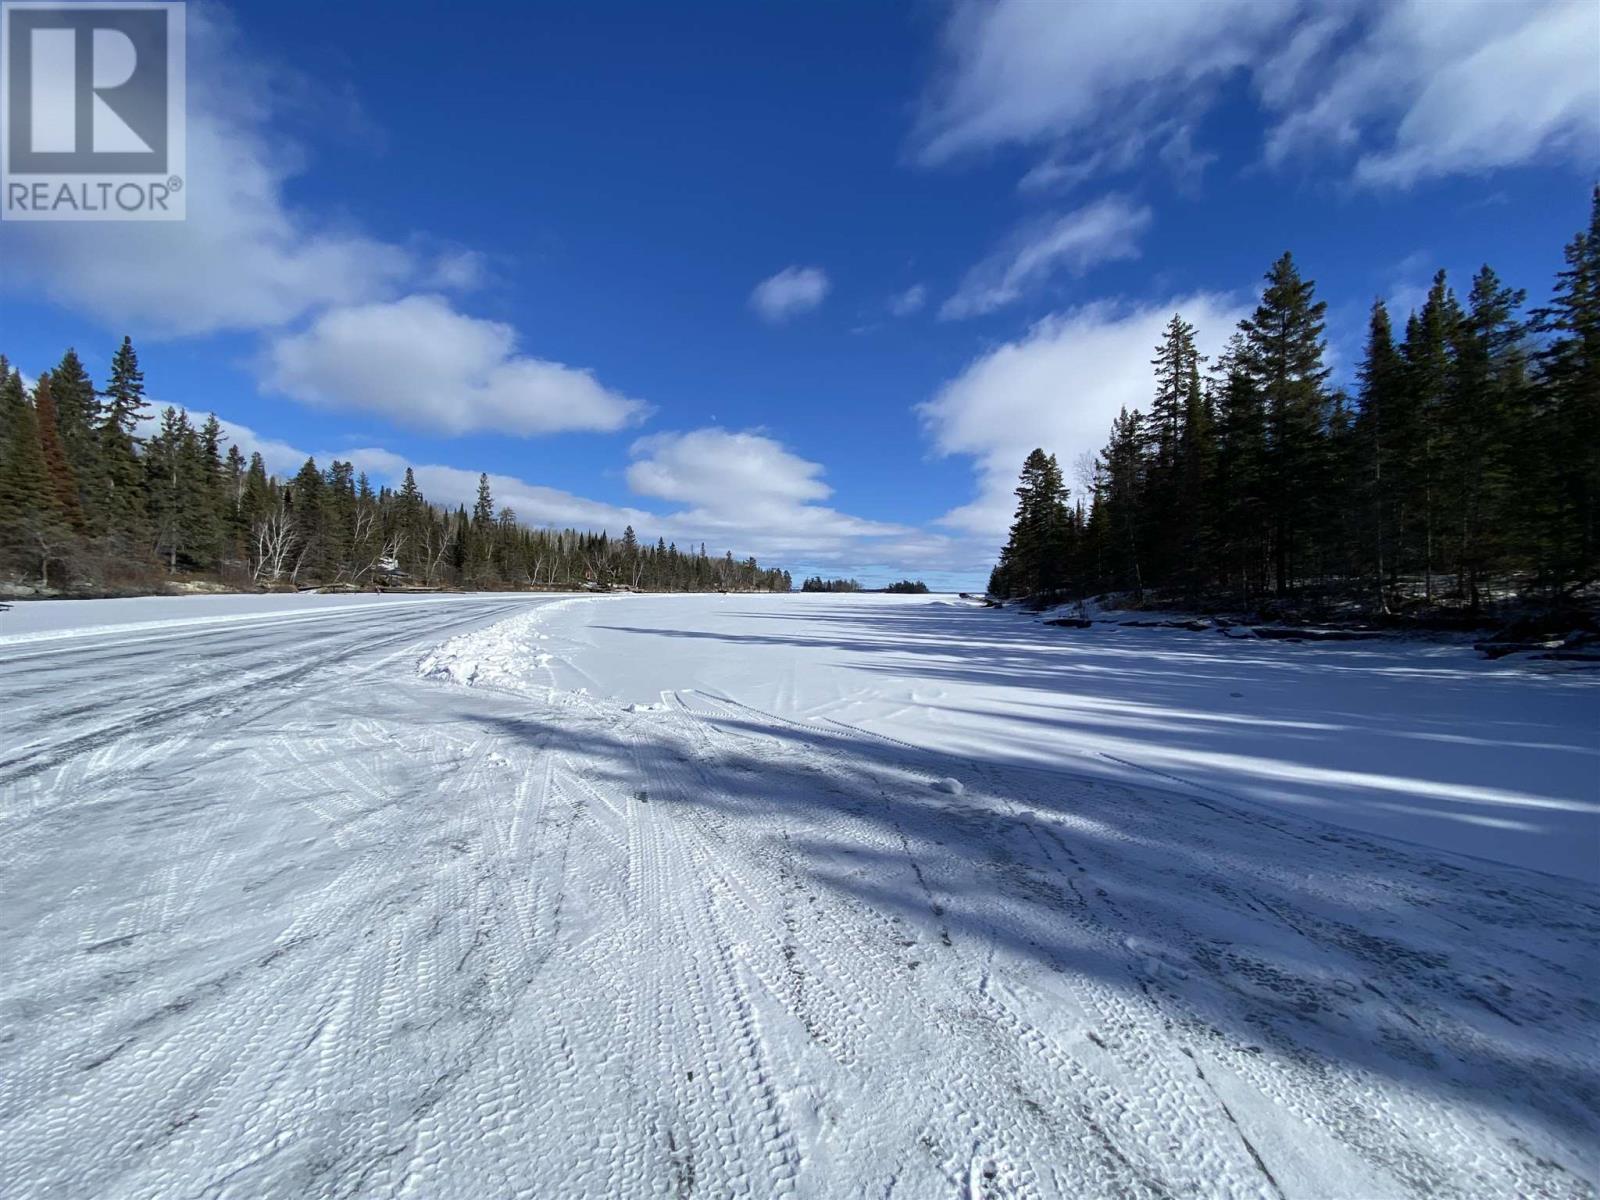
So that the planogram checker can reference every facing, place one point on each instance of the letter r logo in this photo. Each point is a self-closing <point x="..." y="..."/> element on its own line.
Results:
<point x="86" y="88"/>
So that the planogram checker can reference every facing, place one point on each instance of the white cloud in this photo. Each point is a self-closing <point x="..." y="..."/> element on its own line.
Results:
<point x="378" y="339"/>
<point x="1022" y="72"/>
<point x="715" y="467"/>
<point x="791" y="291"/>
<point x="1410" y="89"/>
<point x="425" y="365"/>
<point x="749" y="486"/>
<point x="1059" y="387"/>
<point x="1438" y="89"/>
<point x="912" y="300"/>
<point x="244" y="259"/>
<point x="1073" y="242"/>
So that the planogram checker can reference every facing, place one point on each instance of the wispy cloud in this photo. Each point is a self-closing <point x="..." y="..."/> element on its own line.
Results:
<point x="1072" y="242"/>
<point x="1403" y="90"/>
<point x="1440" y="89"/>
<point x="912" y="300"/>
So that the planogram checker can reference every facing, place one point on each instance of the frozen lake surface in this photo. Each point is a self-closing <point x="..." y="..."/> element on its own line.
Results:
<point x="828" y="896"/>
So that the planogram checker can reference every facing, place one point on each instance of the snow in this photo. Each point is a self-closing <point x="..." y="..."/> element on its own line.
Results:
<point x="1425" y="742"/>
<point x="752" y="895"/>
<point x="40" y="620"/>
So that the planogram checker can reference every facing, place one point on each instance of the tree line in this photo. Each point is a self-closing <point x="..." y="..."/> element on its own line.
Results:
<point x="1463" y="469"/>
<point x="88" y="504"/>
<point x="909" y="587"/>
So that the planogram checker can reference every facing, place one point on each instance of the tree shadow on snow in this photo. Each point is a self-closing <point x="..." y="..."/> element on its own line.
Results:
<point x="1279" y="939"/>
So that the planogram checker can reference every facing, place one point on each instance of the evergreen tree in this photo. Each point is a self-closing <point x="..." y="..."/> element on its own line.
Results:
<point x="1035" y="556"/>
<point x="305" y="498"/>
<point x="121" y="473"/>
<point x="1283" y="353"/>
<point x="1239" y="491"/>
<point x="62" y="484"/>
<point x="1119" y="501"/>
<point x="1176" y="373"/>
<point x="1382" y="384"/>
<point x="25" y="485"/>
<point x="78" y="420"/>
<point x="1426" y="351"/>
<point x="479" y="538"/>
<point x="1563" y="447"/>
<point x="1488" y="391"/>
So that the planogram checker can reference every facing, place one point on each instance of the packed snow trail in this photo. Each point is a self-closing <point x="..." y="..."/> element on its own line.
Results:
<point x="381" y="904"/>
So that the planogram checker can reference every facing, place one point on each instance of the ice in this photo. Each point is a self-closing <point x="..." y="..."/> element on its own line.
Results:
<point x="468" y="896"/>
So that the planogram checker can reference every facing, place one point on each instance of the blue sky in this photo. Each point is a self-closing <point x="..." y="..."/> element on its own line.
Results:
<point x="799" y="280"/>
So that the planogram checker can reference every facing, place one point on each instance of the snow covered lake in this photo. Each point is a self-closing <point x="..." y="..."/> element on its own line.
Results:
<point x="760" y="895"/>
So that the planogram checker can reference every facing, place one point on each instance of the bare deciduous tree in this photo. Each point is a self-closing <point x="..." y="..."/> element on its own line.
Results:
<point x="275" y="538"/>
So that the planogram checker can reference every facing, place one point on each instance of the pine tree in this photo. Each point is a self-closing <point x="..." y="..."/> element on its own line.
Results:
<point x="257" y="500"/>
<point x="235" y="522"/>
<point x="208" y="504"/>
<point x="78" y="421"/>
<point x="124" y="393"/>
<point x="25" y="486"/>
<point x="1563" y="449"/>
<point x="410" y="523"/>
<point x="184" y="506"/>
<point x="305" y="498"/>
<point x="1036" y="555"/>
<point x="1238" y="490"/>
<point x="122" y="476"/>
<point x="1382" y="382"/>
<point x="1487" y="394"/>
<point x="1167" y="533"/>
<point x="479" y="545"/>
<point x="62" y="487"/>
<point x="1119" y="500"/>
<point x="1430" y="334"/>
<point x="1283" y="353"/>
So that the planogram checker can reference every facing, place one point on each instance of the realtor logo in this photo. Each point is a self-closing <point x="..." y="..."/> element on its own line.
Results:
<point x="91" y="111"/>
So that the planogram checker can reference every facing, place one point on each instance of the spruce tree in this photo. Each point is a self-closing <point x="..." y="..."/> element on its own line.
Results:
<point x="1382" y="382"/>
<point x="411" y="521"/>
<point x="62" y="483"/>
<point x="1563" y="450"/>
<point x="1037" y="551"/>
<point x="122" y="474"/>
<point x="1168" y="534"/>
<point x="25" y="486"/>
<point x="1283" y="353"/>
<point x="1430" y="336"/>
<point x="1484" y="405"/>
<point x="78" y="421"/>
<point x="305" y="496"/>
